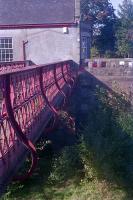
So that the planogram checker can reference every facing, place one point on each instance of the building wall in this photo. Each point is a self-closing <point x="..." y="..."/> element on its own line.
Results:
<point x="18" y="37"/>
<point x="51" y="45"/>
<point x="45" y="45"/>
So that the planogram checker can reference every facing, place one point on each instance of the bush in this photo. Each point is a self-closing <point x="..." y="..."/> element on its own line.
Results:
<point x="94" y="52"/>
<point x="106" y="145"/>
<point x="67" y="165"/>
<point x="107" y="139"/>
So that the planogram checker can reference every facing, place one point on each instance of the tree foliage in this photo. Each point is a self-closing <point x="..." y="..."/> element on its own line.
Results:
<point x="96" y="11"/>
<point x="125" y="29"/>
<point x="100" y="15"/>
<point x="105" y="40"/>
<point x="111" y="35"/>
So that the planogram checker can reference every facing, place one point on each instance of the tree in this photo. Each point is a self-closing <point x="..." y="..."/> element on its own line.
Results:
<point x="101" y="17"/>
<point x="96" y="11"/>
<point x="106" y="40"/>
<point x="125" y="29"/>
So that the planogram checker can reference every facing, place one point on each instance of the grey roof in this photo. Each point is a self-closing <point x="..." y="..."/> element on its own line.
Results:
<point x="36" y="11"/>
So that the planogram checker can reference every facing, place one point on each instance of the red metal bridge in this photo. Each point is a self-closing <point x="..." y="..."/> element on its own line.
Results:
<point x="29" y="97"/>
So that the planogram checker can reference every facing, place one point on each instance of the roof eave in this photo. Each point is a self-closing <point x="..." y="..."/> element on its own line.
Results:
<point x="27" y="26"/>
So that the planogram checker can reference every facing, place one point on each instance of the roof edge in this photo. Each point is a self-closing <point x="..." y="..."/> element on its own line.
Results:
<point x="26" y="26"/>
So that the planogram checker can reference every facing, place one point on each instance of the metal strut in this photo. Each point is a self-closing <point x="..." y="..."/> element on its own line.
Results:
<point x="19" y="133"/>
<point x="63" y="75"/>
<point x="54" y="111"/>
<point x="68" y="84"/>
<point x="73" y="82"/>
<point x="58" y="86"/>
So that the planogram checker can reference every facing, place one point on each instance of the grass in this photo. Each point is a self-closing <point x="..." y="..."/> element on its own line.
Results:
<point x="99" y="167"/>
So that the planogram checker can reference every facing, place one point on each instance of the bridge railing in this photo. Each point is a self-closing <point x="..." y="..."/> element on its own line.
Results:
<point x="12" y="66"/>
<point x="24" y="95"/>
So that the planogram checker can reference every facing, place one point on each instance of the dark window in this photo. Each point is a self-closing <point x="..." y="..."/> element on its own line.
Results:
<point x="84" y="47"/>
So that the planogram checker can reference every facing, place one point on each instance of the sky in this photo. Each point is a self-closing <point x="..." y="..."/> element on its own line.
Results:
<point x="116" y="3"/>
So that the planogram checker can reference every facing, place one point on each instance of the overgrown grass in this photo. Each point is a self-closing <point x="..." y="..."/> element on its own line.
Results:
<point x="100" y="167"/>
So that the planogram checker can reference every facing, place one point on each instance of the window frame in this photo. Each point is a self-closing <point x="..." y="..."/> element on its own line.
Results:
<point x="6" y="52"/>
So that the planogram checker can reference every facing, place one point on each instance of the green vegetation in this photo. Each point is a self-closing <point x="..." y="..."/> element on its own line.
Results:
<point x="111" y="34"/>
<point x="99" y="167"/>
<point x="101" y="19"/>
<point x="94" y="52"/>
<point x="125" y="29"/>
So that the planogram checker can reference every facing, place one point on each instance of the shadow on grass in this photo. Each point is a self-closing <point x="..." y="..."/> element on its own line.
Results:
<point x="107" y="132"/>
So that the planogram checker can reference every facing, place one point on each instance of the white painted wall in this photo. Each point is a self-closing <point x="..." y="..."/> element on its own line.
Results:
<point x="45" y="45"/>
<point x="51" y="45"/>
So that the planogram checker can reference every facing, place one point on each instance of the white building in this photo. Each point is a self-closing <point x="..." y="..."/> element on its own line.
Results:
<point x="42" y="31"/>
